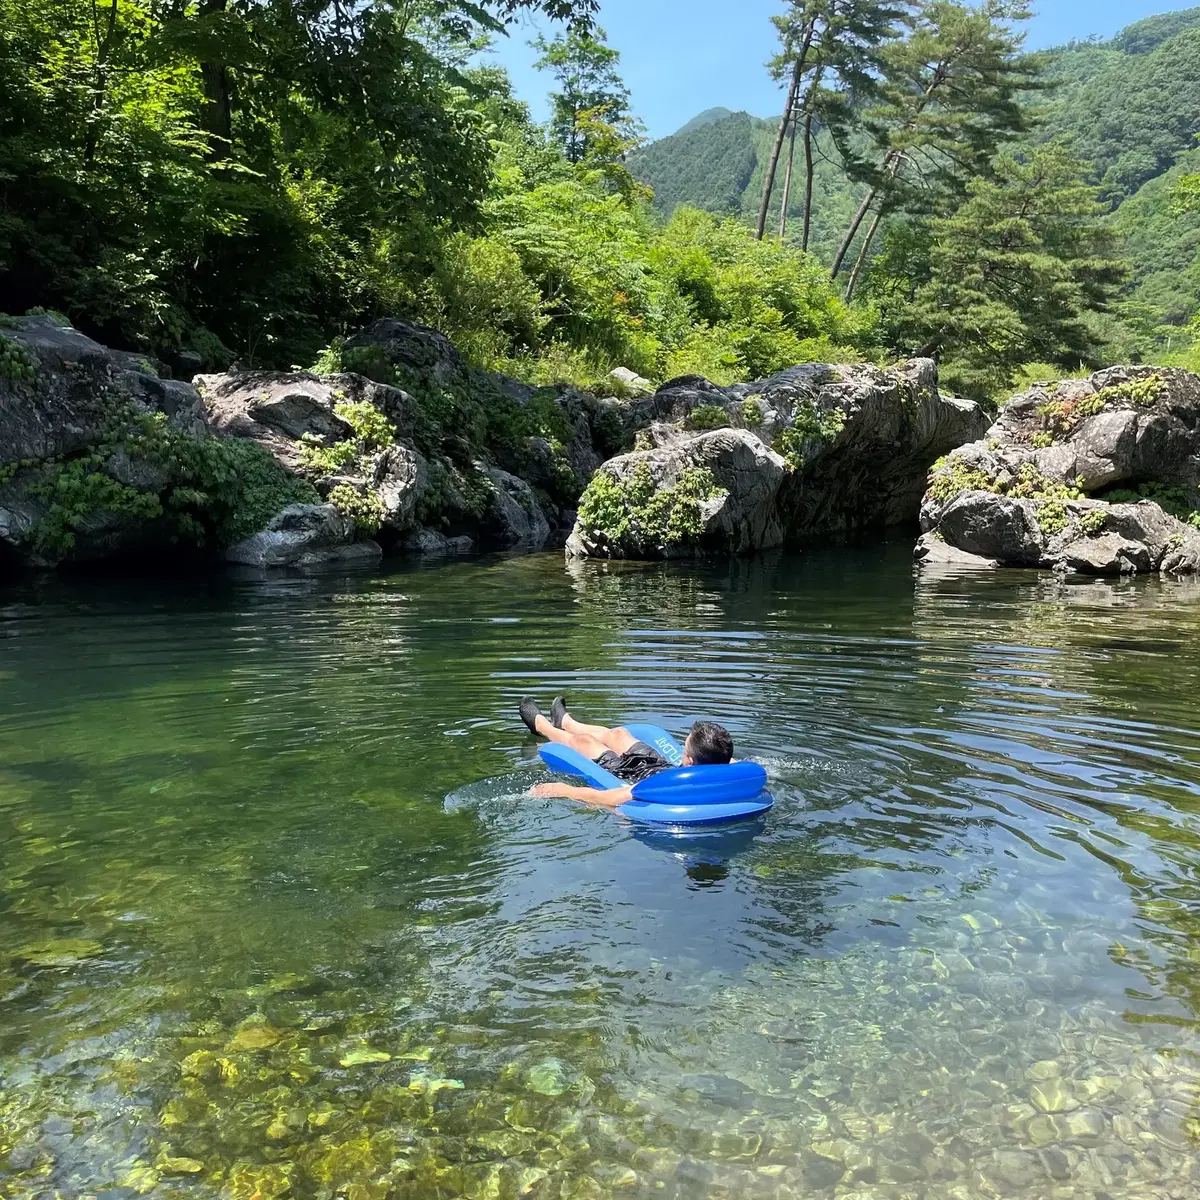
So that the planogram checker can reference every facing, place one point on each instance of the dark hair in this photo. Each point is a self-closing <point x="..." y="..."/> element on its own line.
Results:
<point x="711" y="743"/>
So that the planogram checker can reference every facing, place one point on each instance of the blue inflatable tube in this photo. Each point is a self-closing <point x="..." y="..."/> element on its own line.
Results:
<point x="703" y="795"/>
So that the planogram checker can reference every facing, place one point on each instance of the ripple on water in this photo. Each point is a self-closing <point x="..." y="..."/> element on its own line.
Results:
<point x="265" y="931"/>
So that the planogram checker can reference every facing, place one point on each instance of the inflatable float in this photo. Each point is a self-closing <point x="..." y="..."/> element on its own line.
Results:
<point x="706" y="795"/>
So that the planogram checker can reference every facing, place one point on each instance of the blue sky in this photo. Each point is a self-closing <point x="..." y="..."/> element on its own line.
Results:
<point x="682" y="56"/>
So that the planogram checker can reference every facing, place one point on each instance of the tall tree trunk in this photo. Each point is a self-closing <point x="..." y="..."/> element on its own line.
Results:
<point x="99" y="76"/>
<point x="892" y="162"/>
<point x="808" y="179"/>
<point x="218" y="94"/>
<point x="861" y="261"/>
<point x="781" y="132"/>
<point x="852" y="232"/>
<point x="787" y="182"/>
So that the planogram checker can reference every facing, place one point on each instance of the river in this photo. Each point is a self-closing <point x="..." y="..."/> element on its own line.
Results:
<point x="277" y="919"/>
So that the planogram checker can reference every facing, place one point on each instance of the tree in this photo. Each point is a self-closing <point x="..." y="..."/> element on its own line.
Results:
<point x="1006" y="278"/>
<point x="242" y="172"/>
<point x="952" y="94"/>
<point x="829" y="47"/>
<point x="1186" y="194"/>
<point x="591" y="91"/>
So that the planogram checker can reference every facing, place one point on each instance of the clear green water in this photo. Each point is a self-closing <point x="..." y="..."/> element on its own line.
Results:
<point x="276" y="920"/>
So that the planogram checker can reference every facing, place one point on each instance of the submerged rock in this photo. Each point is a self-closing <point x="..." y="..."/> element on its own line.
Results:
<point x="58" y="952"/>
<point x="1097" y="476"/>
<point x="549" y="1078"/>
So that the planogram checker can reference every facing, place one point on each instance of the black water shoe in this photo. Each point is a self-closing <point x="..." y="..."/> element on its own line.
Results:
<point x="528" y="708"/>
<point x="558" y="710"/>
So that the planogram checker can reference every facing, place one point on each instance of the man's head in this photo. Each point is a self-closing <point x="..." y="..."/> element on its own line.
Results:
<point x="707" y="743"/>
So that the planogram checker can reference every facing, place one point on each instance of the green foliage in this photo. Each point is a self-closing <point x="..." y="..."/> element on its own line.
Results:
<point x="1052" y="516"/>
<point x="1141" y="393"/>
<point x="1133" y="106"/>
<point x="951" y="475"/>
<point x="17" y="365"/>
<point x="639" y="511"/>
<point x="221" y="489"/>
<point x="260" y="174"/>
<point x="707" y="416"/>
<point x="76" y="491"/>
<point x="364" y="508"/>
<point x="1093" y="523"/>
<point x="707" y="166"/>
<point x="591" y="90"/>
<point x="1007" y="277"/>
<point x="1061" y="415"/>
<point x="1161" y="238"/>
<point x="810" y="432"/>
<point x="372" y="432"/>
<point x="1178" y="502"/>
<point x="752" y="416"/>
<point x="216" y="491"/>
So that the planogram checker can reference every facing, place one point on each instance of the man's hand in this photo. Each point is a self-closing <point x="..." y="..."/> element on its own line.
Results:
<point x="613" y="798"/>
<point x="548" y="791"/>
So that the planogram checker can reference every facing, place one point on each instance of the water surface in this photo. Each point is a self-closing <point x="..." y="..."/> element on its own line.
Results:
<point x="276" y="918"/>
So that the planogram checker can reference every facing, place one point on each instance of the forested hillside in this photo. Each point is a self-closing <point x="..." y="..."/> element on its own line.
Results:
<point x="718" y="166"/>
<point x="225" y="181"/>
<point x="1129" y="107"/>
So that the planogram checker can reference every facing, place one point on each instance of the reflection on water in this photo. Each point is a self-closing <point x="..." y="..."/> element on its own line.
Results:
<point x="278" y="919"/>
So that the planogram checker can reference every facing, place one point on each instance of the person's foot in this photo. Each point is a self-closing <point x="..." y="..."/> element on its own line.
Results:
<point x="558" y="710"/>
<point x="528" y="708"/>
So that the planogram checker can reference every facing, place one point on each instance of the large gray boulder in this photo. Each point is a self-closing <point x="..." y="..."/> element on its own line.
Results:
<point x="59" y="396"/>
<point x="1060" y="477"/>
<point x="814" y="450"/>
<point x="306" y="537"/>
<point x="713" y="493"/>
<point x="515" y="516"/>
<point x="62" y="396"/>
<point x="296" y="415"/>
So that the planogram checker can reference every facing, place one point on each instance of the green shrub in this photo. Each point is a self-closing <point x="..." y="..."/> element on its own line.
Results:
<point x="811" y="430"/>
<point x="372" y="432"/>
<point x="17" y="365"/>
<point x="638" y="511"/>
<point x="365" y="508"/>
<point x="949" y="476"/>
<point x="707" y="416"/>
<point x="1052" y="516"/>
<point x="751" y="414"/>
<point x="218" y="490"/>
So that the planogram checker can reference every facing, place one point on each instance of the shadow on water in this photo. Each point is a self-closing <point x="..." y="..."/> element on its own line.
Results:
<point x="277" y="917"/>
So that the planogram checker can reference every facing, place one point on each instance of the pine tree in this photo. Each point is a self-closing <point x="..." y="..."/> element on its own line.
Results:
<point x="1010" y="274"/>
<point x="952" y="95"/>
<point x="591" y="90"/>
<point x="829" y="48"/>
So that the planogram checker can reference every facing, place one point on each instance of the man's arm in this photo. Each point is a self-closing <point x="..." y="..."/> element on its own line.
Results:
<point x="612" y="798"/>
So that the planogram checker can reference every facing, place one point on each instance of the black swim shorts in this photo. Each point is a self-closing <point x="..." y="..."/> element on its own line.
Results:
<point x="637" y="763"/>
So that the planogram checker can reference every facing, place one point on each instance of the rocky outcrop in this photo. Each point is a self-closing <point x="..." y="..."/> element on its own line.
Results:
<point x="814" y="450"/>
<point x="1091" y="476"/>
<point x="714" y="492"/>
<point x="400" y="446"/>
<point x="70" y="485"/>
<point x="307" y="537"/>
